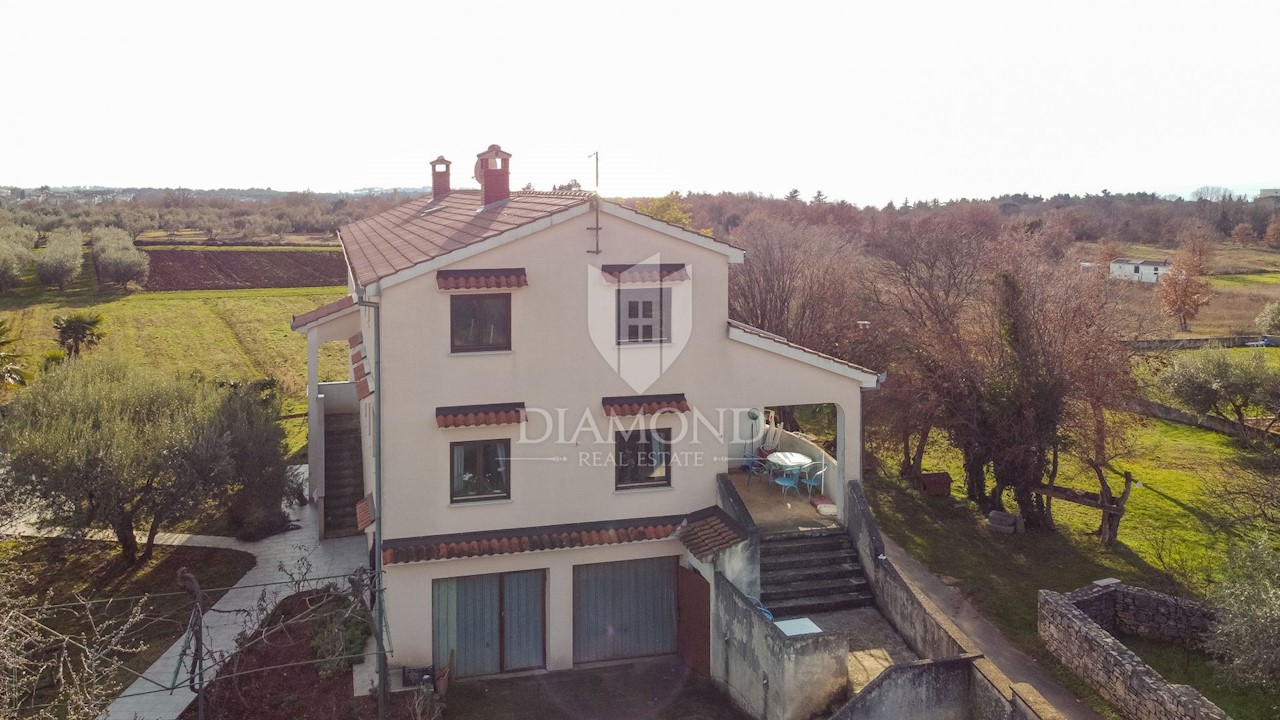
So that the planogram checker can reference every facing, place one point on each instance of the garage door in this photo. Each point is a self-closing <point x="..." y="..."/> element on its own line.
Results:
<point x="492" y="623"/>
<point x="624" y="609"/>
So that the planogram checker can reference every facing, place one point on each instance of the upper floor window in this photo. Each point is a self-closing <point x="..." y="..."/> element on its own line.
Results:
<point x="644" y="315"/>
<point x="480" y="322"/>
<point x="480" y="470"/>
<point x="642" y="458"/>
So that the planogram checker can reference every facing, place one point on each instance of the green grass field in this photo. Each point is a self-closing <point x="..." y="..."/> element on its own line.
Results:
<point x="234" y="334"/>
<point x="1169" y="516"/>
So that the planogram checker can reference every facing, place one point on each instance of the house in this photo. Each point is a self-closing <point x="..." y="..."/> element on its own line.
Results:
<point x="1148" y="271"/>
<point x="1269" y="193"/>
<point x="547" y="388"/>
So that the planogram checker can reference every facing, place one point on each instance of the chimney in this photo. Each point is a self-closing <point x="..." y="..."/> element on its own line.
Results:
<point x="494" y="173"/>
<point x="439" y="178"/>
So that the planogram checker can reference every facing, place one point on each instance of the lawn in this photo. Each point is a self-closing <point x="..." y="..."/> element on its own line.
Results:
<point x="1177" y="665"/>
<point x="235" y="334"/>
<point x="1168" y="517"/>
<point x="63" y="569"/>
<point x="1228" y="258"/>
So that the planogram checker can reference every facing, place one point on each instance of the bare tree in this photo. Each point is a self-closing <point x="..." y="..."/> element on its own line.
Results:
<point x="46" y="673"/>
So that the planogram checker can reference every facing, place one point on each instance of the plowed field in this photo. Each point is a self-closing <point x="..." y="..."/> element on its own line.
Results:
<point x="236" y="269"/>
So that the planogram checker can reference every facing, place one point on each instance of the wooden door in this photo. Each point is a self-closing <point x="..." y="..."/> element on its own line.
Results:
<point x="693" y="625"/>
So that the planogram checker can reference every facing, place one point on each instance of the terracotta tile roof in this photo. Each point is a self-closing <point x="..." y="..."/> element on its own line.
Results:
<point x="323" y="311"/>
<point x="359" y="367"/>
<point x="364" y="512"/>
<point x="709" y="531"/>
<point x="481" y="279"/>
<point x="473" y="415"/>
<point x="702" y="527"/>
<point x="423" y="229"/>
<point x="644" y="404"/>
<point x="783" y="341"/>
<point x="666" y="272"/>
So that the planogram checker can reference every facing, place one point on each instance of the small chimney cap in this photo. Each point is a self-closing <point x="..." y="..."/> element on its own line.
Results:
<point x="493" y="152"/>
<point x="441" y="161"/>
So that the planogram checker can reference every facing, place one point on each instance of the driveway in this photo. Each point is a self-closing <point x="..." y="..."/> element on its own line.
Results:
<point x="653" y="689"/>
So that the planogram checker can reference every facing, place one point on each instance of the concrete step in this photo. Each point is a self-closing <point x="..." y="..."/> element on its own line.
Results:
<point x="769" y="548"/>
<point x="803" y="534"/>
<point x="799" y="560"/>
<point x="811" y="588"/>
<point x="817" y="604"/>
<point x="783" y="576"/>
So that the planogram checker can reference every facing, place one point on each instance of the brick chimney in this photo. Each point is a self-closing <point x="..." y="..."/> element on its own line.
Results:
<point x="493" y="170"/>
<point x="440" y="178"/>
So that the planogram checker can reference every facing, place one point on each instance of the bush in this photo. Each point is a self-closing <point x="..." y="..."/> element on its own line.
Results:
<point x="62" y="259"/>
<point x="14" y="261"/>
<point x="1245" y="637"/>
<point x="1268" y="321"/>
<point x="52" y="359"/>
<point x="250" y="412"/>
<point x="338" y="632"/>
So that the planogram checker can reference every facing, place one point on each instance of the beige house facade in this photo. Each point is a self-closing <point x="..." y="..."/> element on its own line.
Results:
<point x="547" y="386"/>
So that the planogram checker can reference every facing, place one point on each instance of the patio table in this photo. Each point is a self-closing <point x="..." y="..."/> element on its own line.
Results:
<point x="788" y="460"/>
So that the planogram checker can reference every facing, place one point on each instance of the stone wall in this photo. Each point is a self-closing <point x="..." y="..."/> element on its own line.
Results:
<point x="932" y="635"/>
<point x="1078" y="629"/>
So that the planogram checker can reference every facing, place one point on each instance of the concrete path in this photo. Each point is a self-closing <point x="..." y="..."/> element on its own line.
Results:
<point x="1019" y="666"/>
<point x="148" y="697"/>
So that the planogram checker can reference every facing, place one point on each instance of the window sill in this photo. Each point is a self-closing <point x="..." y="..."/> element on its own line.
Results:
<point x="476" y="503"/>
<point x="640" y="489"/>
<point x="645" y="344"/>
<point x="474" y="353"/>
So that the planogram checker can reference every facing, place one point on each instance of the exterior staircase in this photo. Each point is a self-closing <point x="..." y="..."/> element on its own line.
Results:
<point x="343" y="474"/>
<point x="802" y="573"/>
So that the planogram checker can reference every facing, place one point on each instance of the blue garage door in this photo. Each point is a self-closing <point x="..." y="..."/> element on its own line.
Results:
<point x="492" y="623"/>
<point x="624" y="609"/>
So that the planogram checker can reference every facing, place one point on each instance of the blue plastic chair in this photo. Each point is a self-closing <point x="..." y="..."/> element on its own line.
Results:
<point x="760" y="606"/>
<point x="789" y="480"/>
<point x="813" y="477"/>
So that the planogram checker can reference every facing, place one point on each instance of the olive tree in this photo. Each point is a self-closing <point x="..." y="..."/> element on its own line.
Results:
<point x="62" y="259"/>
<point x="1245" y="635"/>
<point x="98" y="443"/>
<point x="116" y="258"/>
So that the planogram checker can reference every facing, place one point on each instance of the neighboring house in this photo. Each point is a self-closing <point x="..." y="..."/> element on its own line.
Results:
<point x="1269" y="193"/>
<point x="558" y="385"/>
<point x="1148" y="271"/>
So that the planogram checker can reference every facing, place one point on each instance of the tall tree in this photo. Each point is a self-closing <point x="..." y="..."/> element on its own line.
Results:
<point x="1183" y="293"/>
<point x="669" y="208"/>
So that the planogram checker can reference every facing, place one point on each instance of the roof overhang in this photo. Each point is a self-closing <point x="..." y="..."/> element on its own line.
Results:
<point x="768" y="342"/>
<point x="735" y="254"/>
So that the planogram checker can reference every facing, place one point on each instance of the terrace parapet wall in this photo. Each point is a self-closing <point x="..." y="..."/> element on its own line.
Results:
<point x="1080" y="629"/>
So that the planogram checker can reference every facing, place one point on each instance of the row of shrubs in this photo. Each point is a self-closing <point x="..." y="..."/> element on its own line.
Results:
<point x="60" y="263"/>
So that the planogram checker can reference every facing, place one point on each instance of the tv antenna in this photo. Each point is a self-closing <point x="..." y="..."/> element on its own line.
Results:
<point x="596" y="202"/>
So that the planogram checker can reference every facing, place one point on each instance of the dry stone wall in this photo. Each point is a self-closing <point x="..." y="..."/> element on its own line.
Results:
<point x="1080" y="629"/>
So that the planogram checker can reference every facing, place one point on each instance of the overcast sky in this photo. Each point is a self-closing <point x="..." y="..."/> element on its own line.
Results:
<point x="867" y="101"/>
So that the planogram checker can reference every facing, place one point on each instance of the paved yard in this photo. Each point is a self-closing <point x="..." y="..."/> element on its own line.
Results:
<point x="657" y="689"/>
<point x="772" y="513"/>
